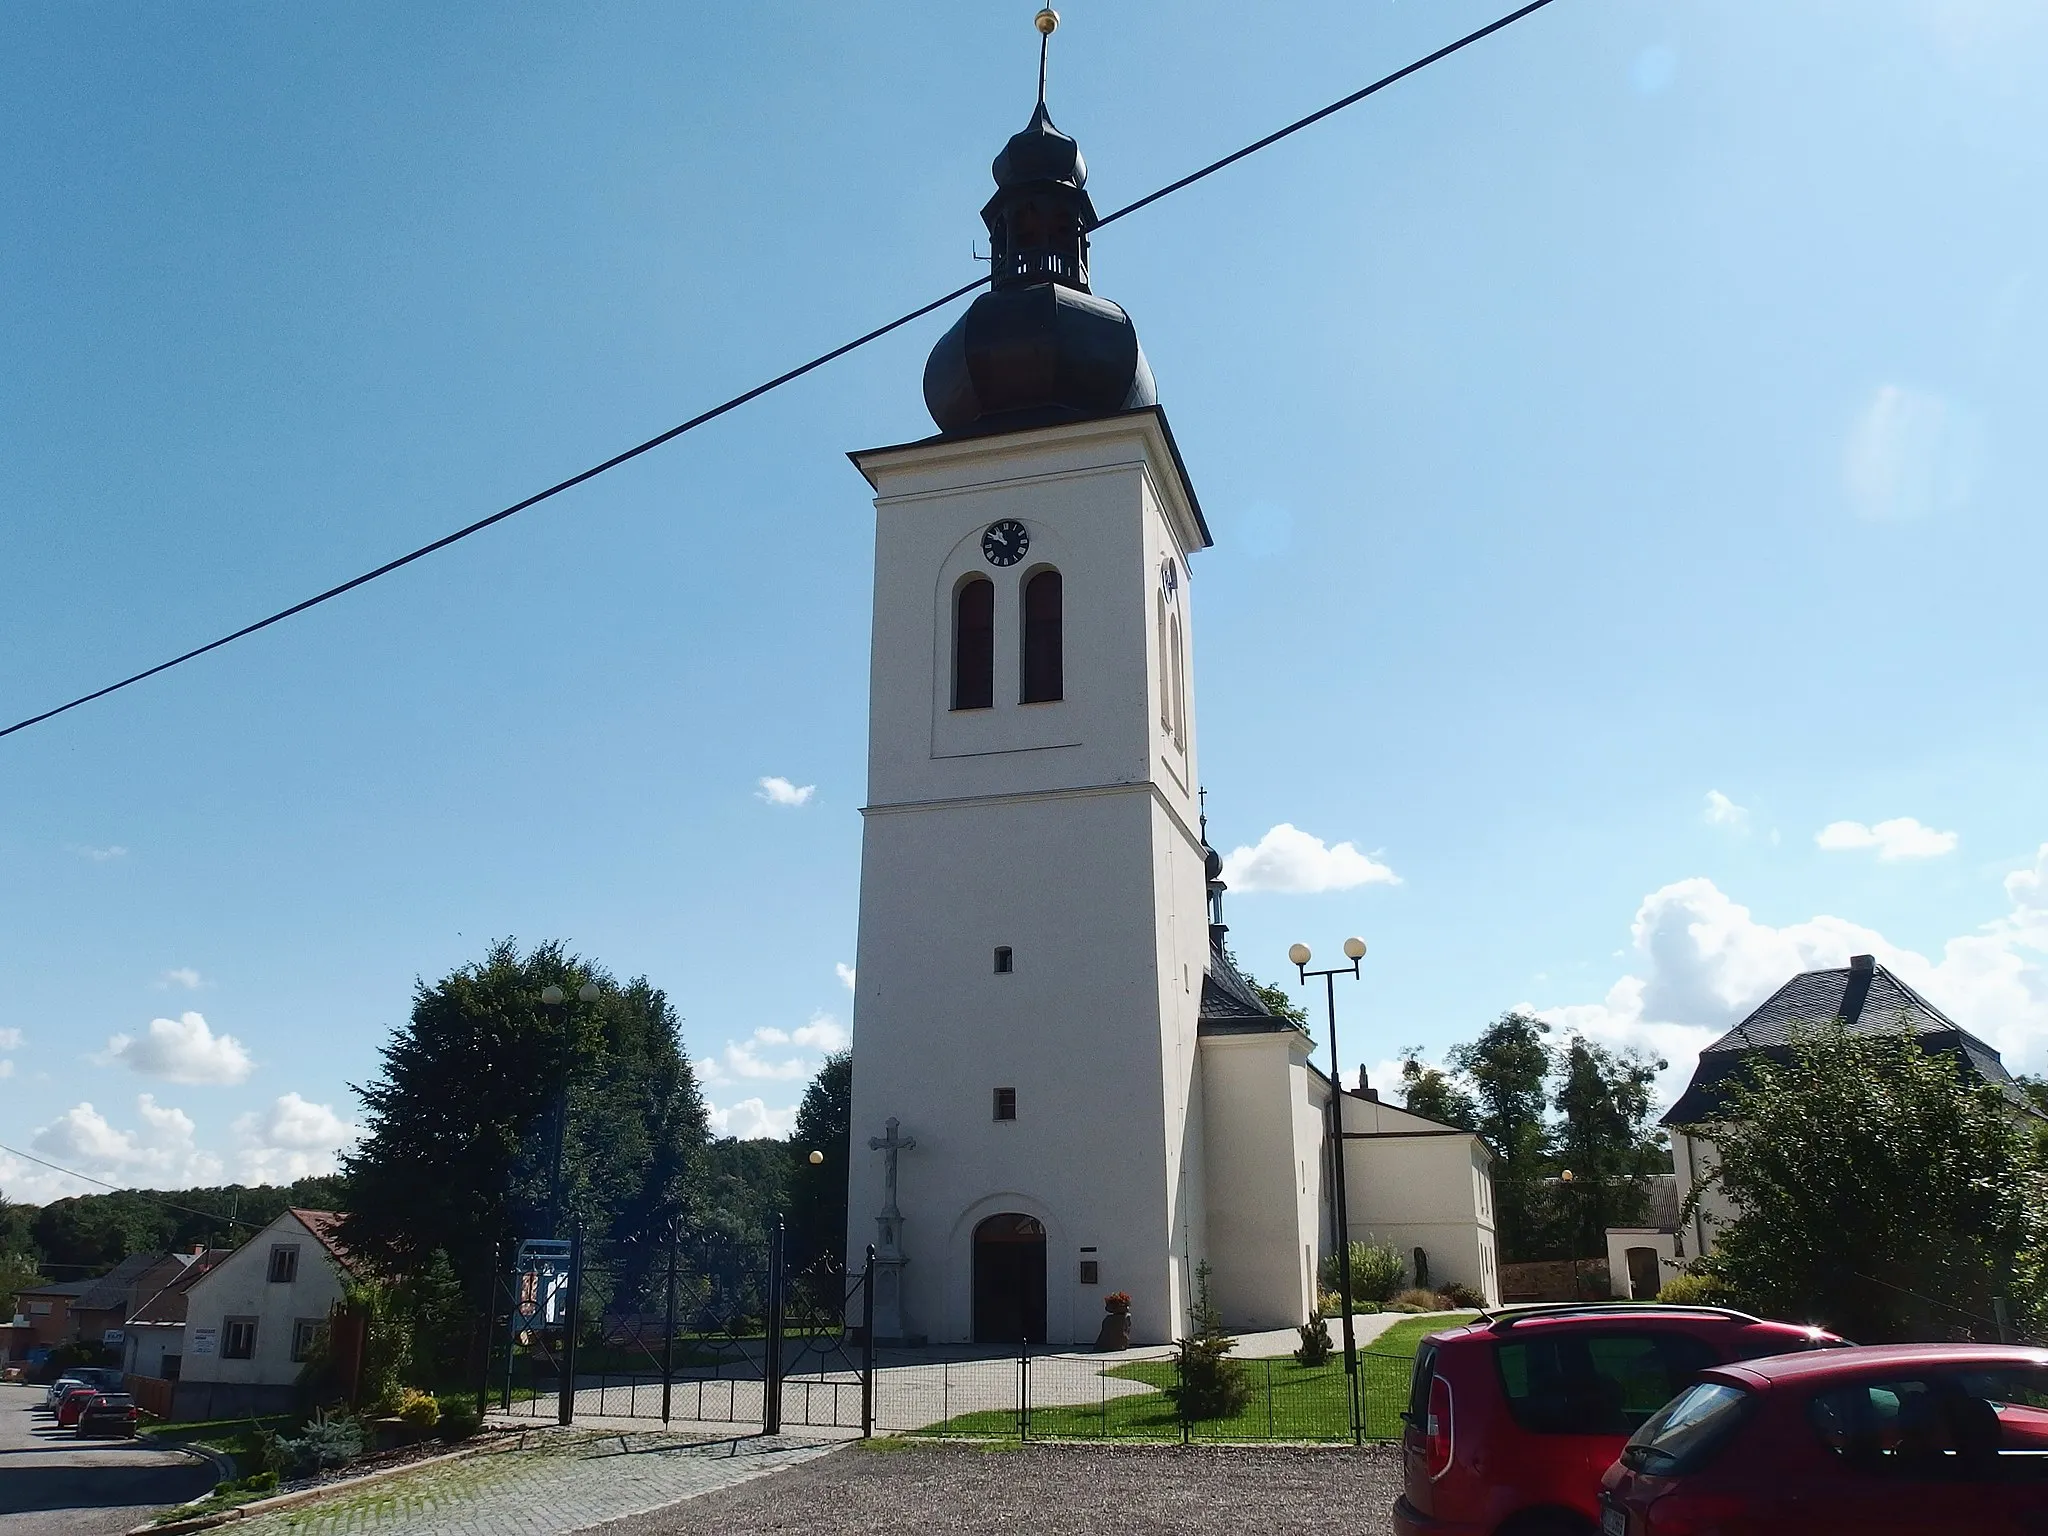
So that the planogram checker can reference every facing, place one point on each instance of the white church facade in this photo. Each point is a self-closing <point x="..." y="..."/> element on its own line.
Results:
<point x="1061" y="1086"/>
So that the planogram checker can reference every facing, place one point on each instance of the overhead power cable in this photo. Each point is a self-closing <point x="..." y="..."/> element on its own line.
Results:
<point x="775" y="383"/>
<point x="140" y="1194"/>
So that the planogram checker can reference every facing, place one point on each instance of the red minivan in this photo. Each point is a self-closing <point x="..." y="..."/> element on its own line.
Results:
<point x="1876" y="1441"/>
<point x="1513" y="1419"/>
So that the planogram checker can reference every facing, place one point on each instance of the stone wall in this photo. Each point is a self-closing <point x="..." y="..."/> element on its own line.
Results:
<point x="1556" y="1280"/>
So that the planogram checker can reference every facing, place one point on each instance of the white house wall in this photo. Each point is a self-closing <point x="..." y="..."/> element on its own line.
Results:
<point x="239" y="1286"/>
<point x="1262" y="1249"/>
<point x="1420" y="1188"/>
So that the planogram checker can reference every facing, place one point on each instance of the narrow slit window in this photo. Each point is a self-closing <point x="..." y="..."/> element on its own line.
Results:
<point x="1004" y="962"/>
<point x="1006" y="1103"/>
<point x="974" y="644"/>
<point x="1043" y="672"/>
<point x="1180" y="686"/>
<point x="1165" y="672"/>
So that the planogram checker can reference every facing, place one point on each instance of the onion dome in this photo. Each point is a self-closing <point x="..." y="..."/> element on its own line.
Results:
<point x="1038" y="347"/>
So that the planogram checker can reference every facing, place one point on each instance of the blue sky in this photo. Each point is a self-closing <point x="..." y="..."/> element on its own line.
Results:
<point x="1622" y="443"/>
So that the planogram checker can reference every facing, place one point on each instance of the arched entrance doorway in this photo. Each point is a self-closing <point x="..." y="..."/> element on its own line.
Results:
<point x="1009" y="1280"/>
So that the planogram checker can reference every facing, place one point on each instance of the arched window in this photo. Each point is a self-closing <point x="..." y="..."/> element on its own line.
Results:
<point x="1165" y="672"/>
<point x="1180" y="684"/>
<point x="974" y="644"/>
<point x="1043" y="677"/>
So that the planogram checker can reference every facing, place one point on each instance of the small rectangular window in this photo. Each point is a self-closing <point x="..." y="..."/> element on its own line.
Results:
<point x="305" y="1334"/>
<point x="169" y="1369"/>
<point x="1004" y="963"/>
<point x="238" y="1338"/>
<point x="284" y="1263"/>
<point x="1091" y="1272"/>
<point x="1006" y="1103"/>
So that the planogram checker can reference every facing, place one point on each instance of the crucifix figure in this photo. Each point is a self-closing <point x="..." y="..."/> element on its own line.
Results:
<point x="888" y="1270"/>
<point x="889" y="1146"/>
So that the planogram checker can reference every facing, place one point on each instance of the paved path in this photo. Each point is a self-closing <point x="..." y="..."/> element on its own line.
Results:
<point x="561" y="1481"/>
<point x="54" y="1484"/>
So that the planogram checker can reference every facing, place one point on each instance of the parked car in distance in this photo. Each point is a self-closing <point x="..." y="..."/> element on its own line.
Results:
<point x="72" y="1403"/>
<point x="1875" y="1440"/>
<point x="109" y="1413"/>
<point x="1512" y="1419"/>
<point x="56" y="1390"/>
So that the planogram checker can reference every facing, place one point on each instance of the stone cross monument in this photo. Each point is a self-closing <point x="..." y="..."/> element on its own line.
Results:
<point x="888" y="1276"/>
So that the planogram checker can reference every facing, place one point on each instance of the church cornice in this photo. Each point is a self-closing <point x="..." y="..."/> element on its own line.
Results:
<point x="1020" y="797"/>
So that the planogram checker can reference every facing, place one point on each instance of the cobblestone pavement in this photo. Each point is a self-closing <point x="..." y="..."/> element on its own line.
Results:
<point x="562" y="1480"/>
<point x="893" y="1486"/>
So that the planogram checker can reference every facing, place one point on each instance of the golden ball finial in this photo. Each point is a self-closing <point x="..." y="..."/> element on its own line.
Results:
<point x="1046" y="20"/>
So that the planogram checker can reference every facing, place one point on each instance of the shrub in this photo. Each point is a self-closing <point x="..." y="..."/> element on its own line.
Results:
<point x="328" y="1441"/>
<point x="418" y="1409"/>
<point x="1210" y="1384"/>
<point x="1686" y="1289"/>
<point x="1415" y="1299"/>
<point x="1455" y="1297"/>
<point x="459" y="1418"/>
<point x="1315" y="1341"/>
<point x="1329" y="1303"/>
<point x="1377" y="1270"/>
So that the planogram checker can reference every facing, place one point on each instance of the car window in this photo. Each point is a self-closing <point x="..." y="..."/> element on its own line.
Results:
<point x="1586" y="1383"/>
<point x="1968" y="1425"/>
<point x="1686" y="1431"/>
<point x="1418" y="1387"/>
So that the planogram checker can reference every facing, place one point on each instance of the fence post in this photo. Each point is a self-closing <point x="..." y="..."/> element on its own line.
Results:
<point x="565" y="1393"/>
<point x="668" y="1338"/>
<point x="867" y="1347"/>
<point x="771" y="1359"/>
<point x="483" y="1375"/>
<point x="1180" y="1399"/>
<point x="1024" y="1393"/>
<point x="2001" y="1312"/>
<point x="1269" y="1399"/>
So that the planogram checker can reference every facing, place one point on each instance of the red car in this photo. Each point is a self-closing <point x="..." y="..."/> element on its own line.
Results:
<point x="72" y="1404"/>
<point x="1877" y="1441"/>
<point x="1512" y="1419"/>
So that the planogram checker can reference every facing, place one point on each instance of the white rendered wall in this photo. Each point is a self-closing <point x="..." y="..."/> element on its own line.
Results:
<point x="1427" y="1191"/>
<point x="239" y="1286"/>
<point x="1693" y="1160"/>
<point x="1262" y="1218"/>
<point x="1065" y="831"/>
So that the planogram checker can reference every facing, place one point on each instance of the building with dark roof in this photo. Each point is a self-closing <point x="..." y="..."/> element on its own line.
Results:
<point x="1865" y="999"/>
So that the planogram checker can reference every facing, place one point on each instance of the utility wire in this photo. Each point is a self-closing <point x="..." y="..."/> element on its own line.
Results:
<point x="761" y="389"/>
<point x="140" y="1194"/>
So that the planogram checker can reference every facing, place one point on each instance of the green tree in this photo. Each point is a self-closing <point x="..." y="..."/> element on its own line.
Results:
<point x="1508" y="1067"/>
<point x="1435" y="1095"/>
<point x="1878" y="1192"/>
<point x="456" y="1154"/>
<point x="1603" y="1135"/>
<point x="824" y="1124"/>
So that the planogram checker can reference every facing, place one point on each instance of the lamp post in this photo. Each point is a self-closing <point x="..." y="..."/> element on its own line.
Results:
<point x="555" y="1003"/>
<point x="1354" y="951"/>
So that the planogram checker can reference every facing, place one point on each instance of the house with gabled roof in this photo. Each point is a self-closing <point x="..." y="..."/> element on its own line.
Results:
<point x="252" y="1320"/>
<point x="1866" y="999"/>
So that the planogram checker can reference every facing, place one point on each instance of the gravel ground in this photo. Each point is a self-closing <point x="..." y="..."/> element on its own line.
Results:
<point x="894" y="1486"/>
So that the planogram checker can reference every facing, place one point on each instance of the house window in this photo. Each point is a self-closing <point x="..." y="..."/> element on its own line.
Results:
<point x="284" y="1263"/>
<point x="1180" y="684"/>
<point x="238" y="1338"/>
<point x="1165" y="672"/>
<point x="39" y="1309"/>
<point x="1004" y="961"/>
<point x="974" y="644"/>
<point x="1091" y="1267"/>
<point x="1043" y="679"/>
<point x="169" y="1369"/>
<point x="1006" y="1103"/>
<point x="305" y="1334"/>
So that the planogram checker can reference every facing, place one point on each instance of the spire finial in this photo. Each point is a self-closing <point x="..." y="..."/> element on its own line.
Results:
<point x="1047" y="21"/>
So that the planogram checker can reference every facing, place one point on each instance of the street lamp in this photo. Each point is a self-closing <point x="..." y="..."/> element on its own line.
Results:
<point x="555" y="1002"/>
<point x="1354" y="951"/>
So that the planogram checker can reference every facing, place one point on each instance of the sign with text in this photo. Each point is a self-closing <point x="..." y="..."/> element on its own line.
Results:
<point x="540" y="1284"/>
<point x="203" y="1341"/>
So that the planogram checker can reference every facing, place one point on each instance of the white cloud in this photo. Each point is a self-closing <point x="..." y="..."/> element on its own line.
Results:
<point x="1900" y="838"/>
<point x="292" y="1139"/>
<point x="6" y="1067"/>
<point x="1723" y="812"/>
<point x="779" y="791"/>
<point x="750" y="1119"/>
<point x="159" y="1154"/>
<point x="823" y="1033"/>
<point x="183" y="1050"/>
<point x="1911" y="454"/>
<point x="775" y="1055"/>
<point x="1703" y="962"/>
<point x="1289" y="859"/>
<point x="182" y="976"/>
<point x="100" y="855"/>
<point x="10" y="1039"/>
<point x="845" y="974"/>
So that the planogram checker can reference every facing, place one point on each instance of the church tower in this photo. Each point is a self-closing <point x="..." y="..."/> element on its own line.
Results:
<point x="1033" y="932"/>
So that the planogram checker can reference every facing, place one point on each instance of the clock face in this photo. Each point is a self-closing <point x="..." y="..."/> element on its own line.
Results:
<point x="1005" y="542"/>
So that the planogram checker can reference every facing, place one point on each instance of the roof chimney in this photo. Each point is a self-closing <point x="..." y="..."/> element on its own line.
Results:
<point x="1862" y="965"/>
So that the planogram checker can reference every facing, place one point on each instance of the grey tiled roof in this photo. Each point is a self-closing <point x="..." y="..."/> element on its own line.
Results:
<point x="110" y="1290"/>
<point x="1867" y="999"/>
<point x="1229" y="1005"/>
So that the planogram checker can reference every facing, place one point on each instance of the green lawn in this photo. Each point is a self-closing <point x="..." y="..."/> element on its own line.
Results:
<point x="239" y="1438"/>
<point x="1288" y="1401"/>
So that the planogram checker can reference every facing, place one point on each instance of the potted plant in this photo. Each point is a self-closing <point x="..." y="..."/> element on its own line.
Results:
<point x="1116" y="1322"/>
